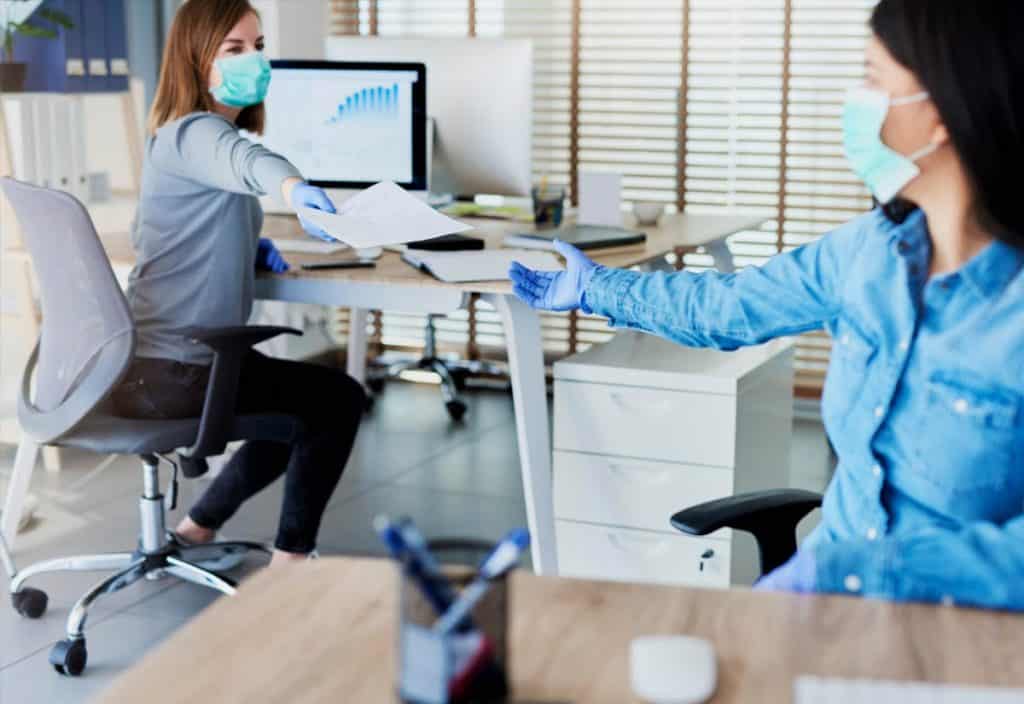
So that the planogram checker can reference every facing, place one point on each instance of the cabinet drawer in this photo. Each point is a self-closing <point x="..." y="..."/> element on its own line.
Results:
<point x="625" y="555"/>
<point x="671" y="426"/>
<point x="633" y="493"/>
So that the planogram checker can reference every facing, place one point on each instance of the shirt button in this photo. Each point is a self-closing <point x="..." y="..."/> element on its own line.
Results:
<point x="852" y="583"/>
<point x="947" y="600"/>
<point x="904" y="345"/>
<point x="961" y="406"/>
<point x="877" y="470"/>
<point x="872" y="534"/>
<point x="879" y="412"/>
<point x="845" y="340"/>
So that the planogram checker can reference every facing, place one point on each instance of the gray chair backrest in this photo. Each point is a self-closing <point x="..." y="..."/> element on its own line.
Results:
<point x="88" y="336"/>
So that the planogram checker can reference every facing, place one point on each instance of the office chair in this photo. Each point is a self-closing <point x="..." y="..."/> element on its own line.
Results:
<point x="771" y="516"/>
<point x="84" y="350"/>
<point x="453" y="373"/>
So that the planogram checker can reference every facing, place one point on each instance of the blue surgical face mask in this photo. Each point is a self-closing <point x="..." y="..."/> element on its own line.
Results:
<point x="885" y="171"/>
<point x="244" y="80"/>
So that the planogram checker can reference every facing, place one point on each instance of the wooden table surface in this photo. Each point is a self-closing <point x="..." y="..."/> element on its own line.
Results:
<point x="324" y="631"/>
<point x="675" y="231"/>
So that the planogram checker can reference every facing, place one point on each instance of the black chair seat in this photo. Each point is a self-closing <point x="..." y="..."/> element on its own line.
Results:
<point x="109" y="434"/>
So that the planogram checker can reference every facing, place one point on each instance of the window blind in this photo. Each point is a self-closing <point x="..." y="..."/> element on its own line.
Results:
<point x="710" y="106"/>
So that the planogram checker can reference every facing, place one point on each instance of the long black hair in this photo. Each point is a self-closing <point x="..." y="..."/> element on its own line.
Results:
<point x="969" y="56"/>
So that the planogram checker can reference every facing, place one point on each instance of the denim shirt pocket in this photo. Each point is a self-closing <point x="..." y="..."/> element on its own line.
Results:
<point x="969" y="443"/>
<point x="852" y="352"/>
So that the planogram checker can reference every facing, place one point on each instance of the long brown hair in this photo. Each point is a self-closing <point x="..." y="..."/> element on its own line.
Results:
<point x="197" y="32"/>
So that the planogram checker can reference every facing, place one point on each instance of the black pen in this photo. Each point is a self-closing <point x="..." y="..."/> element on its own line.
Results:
<point x="344" y="264"/>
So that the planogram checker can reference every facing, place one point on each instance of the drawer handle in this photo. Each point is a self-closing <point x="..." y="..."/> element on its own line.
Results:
<point x="642" y="474"/>
<point x="647" y="547"/>
<point x="657" y="408"/>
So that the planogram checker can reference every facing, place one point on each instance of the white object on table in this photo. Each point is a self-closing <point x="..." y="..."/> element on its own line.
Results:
<point x="673" y="669"/>
<point x="372" y="218"/>
<point x="290" y="246"/>
<point x="480" y="265"/>
<point x="645" y="428"/>
<point x="600" y="199"/>
<point x="834" y="690"/>
<point x="648" y="212"/>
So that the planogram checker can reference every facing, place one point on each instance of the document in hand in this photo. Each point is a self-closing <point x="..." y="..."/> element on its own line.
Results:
<point x="481" y="265"/>
<point x="384" y="214"/>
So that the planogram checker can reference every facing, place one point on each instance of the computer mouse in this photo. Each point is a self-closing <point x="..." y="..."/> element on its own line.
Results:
<point x="673" y="669"/>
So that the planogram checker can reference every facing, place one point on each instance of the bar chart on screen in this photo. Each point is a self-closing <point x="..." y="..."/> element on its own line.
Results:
<point x="374" y="103"/>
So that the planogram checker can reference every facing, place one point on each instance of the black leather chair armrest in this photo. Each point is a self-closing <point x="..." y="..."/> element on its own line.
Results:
<point x="229" y="345"/>
<point x="771" y="516"/>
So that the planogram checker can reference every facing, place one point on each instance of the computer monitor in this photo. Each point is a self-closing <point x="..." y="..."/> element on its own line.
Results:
<point x="480" y="103"/>
<point x="348" y="125"/>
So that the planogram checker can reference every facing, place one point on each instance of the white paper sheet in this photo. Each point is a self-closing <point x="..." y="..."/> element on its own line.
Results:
<point x="479" y="265"/>
<point x="384" y="214"/>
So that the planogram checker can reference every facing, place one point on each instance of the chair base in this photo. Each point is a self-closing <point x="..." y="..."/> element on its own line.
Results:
<point x="452" y="373"/>
<point x="160" y="554"/>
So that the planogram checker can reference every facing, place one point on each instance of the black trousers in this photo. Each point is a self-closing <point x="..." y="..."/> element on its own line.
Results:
<point x="328" y="401"/>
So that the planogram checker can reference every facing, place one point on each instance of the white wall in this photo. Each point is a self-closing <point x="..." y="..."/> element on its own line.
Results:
<point x="294" y="29"/>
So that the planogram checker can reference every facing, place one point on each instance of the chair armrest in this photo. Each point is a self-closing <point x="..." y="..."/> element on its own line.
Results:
<point x="771" y="516"/>
<point x="239" y="337"/>
<point x="230" y="346"/>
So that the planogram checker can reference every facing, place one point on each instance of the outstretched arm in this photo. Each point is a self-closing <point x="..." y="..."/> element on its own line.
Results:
<point x="793" y="293"/>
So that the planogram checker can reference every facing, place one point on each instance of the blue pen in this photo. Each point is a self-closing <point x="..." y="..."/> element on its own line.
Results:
<point x="503" y="558"/>
<point x="416" y="543"/>
<point x="434" y="586"/>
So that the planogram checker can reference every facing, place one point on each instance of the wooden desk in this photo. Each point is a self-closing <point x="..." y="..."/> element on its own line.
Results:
<point x="325" y="632"/>
<point x="395" y="286"/>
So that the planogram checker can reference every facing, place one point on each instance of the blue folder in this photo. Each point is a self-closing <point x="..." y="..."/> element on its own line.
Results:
<point x="74" y="49"/>
<point x="117" y="47"/>
<point x="94" y="24"/>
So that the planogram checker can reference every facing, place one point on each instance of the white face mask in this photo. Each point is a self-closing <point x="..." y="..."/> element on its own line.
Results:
<point x="885" y="171"/>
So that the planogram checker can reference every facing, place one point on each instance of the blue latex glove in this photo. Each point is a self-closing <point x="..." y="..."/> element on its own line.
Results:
<point x="554" y="290"/>
<point x="268" y="258"/>
<point x="799" y="575"/>
<point x="306" y="196"/>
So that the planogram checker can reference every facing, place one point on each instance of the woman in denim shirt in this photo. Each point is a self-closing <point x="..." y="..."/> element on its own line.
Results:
<point x="924" y="298"/>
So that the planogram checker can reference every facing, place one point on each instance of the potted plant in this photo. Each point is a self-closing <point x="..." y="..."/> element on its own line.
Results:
<point x="12" y="74"/>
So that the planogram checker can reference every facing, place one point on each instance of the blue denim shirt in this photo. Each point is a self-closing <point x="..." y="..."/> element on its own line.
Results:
<point x="924" y="399"/>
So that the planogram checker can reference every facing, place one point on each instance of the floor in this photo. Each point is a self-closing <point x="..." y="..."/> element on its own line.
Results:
<point x="454" y="480"/>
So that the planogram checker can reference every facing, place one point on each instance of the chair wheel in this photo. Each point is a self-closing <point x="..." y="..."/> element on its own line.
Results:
<point x="456" y="409"/>
<point x="375" y="384"/>
<point x="29" y="602"/>
<point x="68" y="657"/>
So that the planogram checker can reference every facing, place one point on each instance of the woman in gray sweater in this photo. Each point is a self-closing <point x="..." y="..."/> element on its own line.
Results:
<point x="197" y="241"/>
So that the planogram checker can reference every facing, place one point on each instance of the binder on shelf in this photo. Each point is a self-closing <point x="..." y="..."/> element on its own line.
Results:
<point x="74" y="50"/>
<point x="94" y="28"/>
<point x="40" y="105"/>
<point x="117" y="47"/>
<point x="59" y="134"/>
<point x="19" y="121"/>
<point x="79" y="165"/>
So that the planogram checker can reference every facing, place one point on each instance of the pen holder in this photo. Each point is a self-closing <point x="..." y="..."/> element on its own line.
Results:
<point x="428" y="663"/>
<point x="548" y="205"/>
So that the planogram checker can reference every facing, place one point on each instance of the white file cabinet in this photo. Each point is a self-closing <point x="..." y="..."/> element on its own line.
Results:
<point x="644" y="428"/>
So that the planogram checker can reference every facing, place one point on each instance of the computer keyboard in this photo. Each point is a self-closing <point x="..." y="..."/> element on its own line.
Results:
<point x="821" y="690"/>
